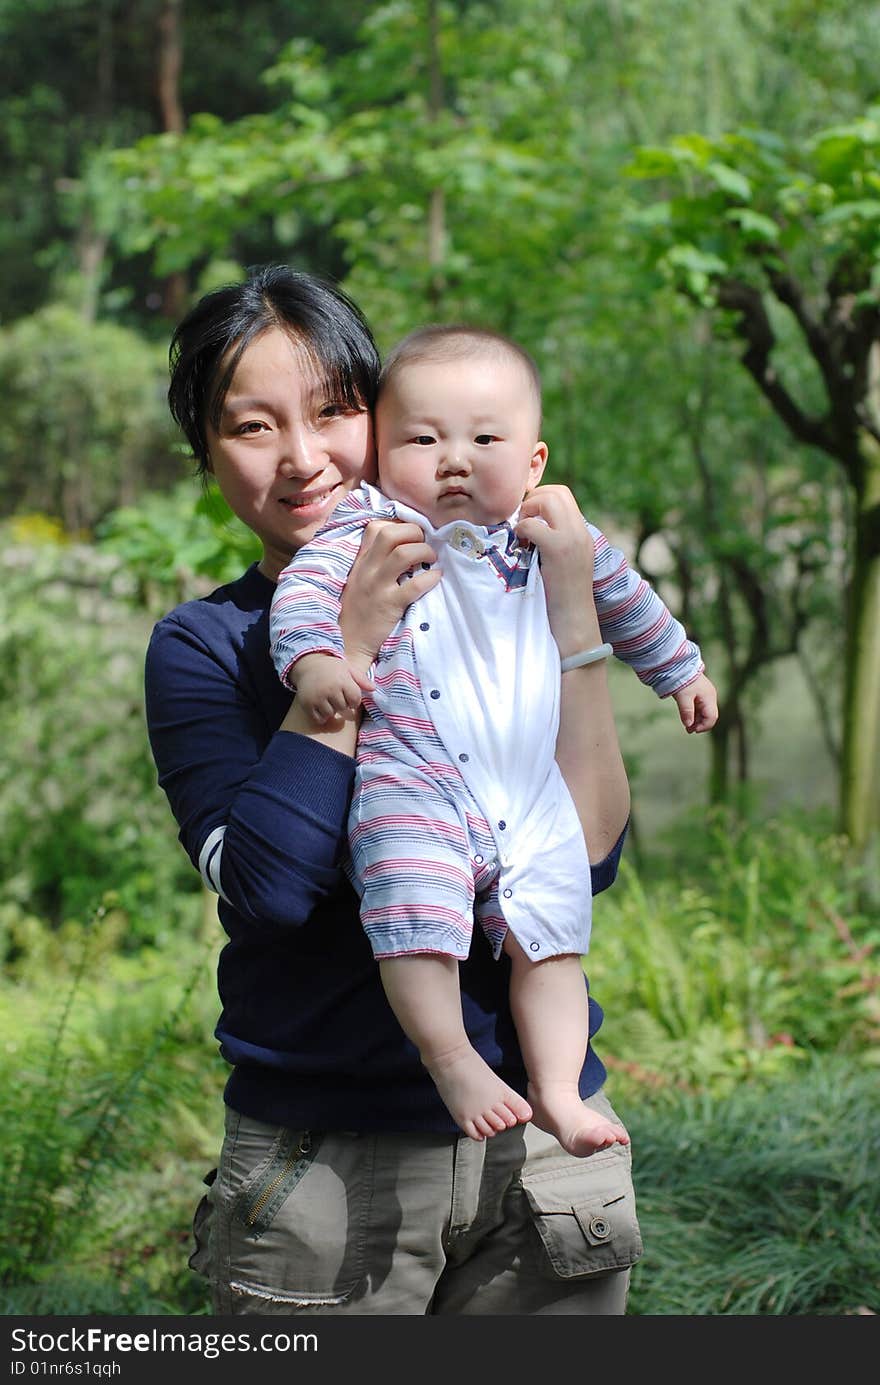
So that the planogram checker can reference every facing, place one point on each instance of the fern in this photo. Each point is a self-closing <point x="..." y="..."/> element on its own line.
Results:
<point x="68" y="1127"/>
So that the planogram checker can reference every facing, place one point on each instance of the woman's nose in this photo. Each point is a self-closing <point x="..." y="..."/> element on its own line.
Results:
<point x="302" y="453"/>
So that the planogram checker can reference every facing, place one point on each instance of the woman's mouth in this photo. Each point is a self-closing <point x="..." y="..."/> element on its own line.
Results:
<point x="306" y="503"/>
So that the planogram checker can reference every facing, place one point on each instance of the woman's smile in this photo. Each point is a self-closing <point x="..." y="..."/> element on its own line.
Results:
<point x="305" y="503"/>
<point x="286" y="450"/>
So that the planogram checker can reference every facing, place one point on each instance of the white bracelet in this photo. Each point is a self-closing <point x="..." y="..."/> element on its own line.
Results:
<point x="586" y="656"/>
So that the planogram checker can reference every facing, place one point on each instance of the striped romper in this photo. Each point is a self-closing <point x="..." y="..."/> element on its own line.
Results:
<point x="459" y="809"/>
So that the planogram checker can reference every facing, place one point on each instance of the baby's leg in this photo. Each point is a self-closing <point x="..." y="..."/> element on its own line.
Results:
<point x="550" y="1009"/>
<point x="423" y="991"/>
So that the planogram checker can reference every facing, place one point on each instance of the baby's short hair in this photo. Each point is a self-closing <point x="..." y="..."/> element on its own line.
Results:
<point x="454" y="341"/>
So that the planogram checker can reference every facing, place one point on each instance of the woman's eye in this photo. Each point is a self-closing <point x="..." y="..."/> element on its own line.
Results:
<point x="252" y="427"/>
<point x="334" y="409"/>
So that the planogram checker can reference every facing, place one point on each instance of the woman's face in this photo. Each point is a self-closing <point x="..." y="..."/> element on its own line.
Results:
<point x="286" y="450"/>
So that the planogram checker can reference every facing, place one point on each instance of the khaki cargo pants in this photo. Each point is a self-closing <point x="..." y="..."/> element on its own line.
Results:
<point x="347" y="1223"/>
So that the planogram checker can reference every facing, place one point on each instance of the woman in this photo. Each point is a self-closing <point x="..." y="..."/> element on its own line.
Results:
<point x="343" y="1185"/>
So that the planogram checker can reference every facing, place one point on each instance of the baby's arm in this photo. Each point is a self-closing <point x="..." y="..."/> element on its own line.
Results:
<point x="644" y="634"/>
<point x="318" y="645"/>
<point x="327" y="686"/>
<point x="304" y="616"/>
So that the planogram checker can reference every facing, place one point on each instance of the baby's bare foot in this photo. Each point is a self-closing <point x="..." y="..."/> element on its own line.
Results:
<point x="479" y="1102"/>
<point x="560" y="1111"/>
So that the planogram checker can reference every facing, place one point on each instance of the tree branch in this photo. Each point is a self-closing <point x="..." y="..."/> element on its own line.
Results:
<point x="790" y="293"/>
<point x="755" y="330"/>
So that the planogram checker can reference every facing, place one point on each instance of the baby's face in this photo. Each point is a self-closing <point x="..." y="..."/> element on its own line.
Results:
<point x="459" y="439"/>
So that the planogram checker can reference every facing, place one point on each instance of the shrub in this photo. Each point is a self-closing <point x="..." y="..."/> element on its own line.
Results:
<point x="741" y="956"/>
<point x="81" y="818"/>
<point x="84" y="424"/>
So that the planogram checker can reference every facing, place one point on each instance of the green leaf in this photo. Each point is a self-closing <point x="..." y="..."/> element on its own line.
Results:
<point x="729" y="180"/>
<point x="651" y="162"/>
<point x="691" y="258"/>
<point x="864" y="210"/>
<point x="754" y="225"/>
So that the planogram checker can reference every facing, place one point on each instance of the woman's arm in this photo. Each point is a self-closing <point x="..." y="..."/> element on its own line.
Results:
<point x="587" y="748"/>
<point x="262" y="813"/>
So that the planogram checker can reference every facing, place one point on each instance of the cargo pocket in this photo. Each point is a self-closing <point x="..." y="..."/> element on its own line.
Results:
<point x="295" y="1224"/>
<point x="272" y="1181"/>
<point x="585" y="1217"/>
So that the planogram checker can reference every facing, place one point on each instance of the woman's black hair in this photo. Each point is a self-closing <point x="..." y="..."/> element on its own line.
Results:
<point x="208" y="344"/>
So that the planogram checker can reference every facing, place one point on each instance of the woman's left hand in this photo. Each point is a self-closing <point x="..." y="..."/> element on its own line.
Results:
<point x="550" y="519"/>
<point x="378" y="590"/>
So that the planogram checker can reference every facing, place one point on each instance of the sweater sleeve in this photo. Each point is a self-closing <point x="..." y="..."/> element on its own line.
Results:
<point x="604" y="873"/>
<point x="262" y="816"/>
<point x="639" y="626"/>
<point x="304" y="617"/>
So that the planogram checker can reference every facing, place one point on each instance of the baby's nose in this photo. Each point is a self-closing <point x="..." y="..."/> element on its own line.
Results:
<point x="454" y="460"/>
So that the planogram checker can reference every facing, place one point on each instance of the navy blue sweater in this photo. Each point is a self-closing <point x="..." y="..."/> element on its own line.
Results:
<point x="305" y="1024"/>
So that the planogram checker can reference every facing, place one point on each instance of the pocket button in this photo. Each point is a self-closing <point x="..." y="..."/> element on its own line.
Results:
<point x="600" y="1228"/>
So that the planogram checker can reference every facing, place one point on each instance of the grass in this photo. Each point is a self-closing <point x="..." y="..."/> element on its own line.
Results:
<point x="765" y="1202"/>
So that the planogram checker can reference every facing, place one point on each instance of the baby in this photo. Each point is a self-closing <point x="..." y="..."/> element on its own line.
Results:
<point x="460" y="811"/>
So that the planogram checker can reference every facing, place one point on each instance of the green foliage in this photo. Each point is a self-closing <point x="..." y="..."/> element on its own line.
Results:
<point x="746" y="201"/>
<point x="763" y="1202"/>
<point x="738" y="955"/>
<point x="99" y="1103"/>
<point x="178" y="545"/>
<point x="84" y="424"/>
<point x="56" y="113"/>
<point x="751" y="223"/>
<point x="80" y="816"/>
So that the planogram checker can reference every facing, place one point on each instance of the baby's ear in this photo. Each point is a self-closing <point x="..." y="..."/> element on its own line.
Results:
<point x="540" y="452"/>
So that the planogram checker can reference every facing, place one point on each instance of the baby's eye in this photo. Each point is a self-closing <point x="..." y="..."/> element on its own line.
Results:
<point x="485" y="438"/>
<point x="424" y="440"/>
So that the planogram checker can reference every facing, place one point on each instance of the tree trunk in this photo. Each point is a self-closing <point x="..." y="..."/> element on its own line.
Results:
<point x="846" y="349"/>
<point x="742" y="749"/>
<point x="437" y="204"/>
<point x="168" y="64"/>
<point x="860" y="798"/>
<point x="169" y="60"/>
<point x="719" y="746"/>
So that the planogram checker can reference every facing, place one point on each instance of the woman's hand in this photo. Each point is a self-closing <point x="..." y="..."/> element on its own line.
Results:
<point x="549" y="518"/>
<point x="378" y="590"/>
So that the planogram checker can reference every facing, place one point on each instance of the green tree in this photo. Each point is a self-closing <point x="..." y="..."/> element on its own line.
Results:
<point x="85" y="427"/>
<point x="81" y="76"/>
<point x="761" y="229"/>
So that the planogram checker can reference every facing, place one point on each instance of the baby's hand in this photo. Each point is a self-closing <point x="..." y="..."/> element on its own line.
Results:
<point x="328" y="687"/>
<point x="698" y="705"/>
